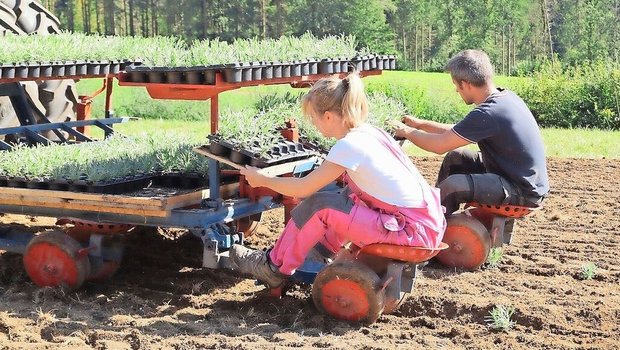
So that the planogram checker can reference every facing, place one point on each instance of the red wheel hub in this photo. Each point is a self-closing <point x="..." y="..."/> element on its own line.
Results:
<point x="469" y="243"/>
<point x="53" y="259"/>
<point x="345" y="299"/>
<point x="49" y="265"/>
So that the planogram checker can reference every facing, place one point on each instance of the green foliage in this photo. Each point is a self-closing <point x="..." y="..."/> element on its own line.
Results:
<point x="495" y="256"/>
<point x="586" y="96"/>
<point x="174" y="51"/>
<point x="588" y="271"/>
<point x="500" y="318"/>
<point x="113" y="158"/>
<point x="416" y="101"/>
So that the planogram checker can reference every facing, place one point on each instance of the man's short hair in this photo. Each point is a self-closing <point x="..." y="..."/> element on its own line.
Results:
<point x="472" y="66"/>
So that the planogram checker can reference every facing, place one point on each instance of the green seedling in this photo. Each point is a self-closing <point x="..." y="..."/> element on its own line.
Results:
<point x="588" y="271"/>
<point x="495" y="256"/>
<point x="500" y="318"/>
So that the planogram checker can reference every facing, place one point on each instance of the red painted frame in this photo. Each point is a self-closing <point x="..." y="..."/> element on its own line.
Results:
<point x="204" y="92"/>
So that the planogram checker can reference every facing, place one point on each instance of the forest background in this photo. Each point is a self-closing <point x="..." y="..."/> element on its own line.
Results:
<point x="567" y="51"/>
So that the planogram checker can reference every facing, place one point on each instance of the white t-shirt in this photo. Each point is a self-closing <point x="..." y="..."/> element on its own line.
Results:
<point x="375" y="170"/>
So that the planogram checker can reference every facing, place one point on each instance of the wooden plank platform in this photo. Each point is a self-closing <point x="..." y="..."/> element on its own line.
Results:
<point x="106" y="203"/>
<point x="275" y="170"/>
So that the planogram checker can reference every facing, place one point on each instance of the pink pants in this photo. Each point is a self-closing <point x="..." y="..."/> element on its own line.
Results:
<point x="335" y="219"/>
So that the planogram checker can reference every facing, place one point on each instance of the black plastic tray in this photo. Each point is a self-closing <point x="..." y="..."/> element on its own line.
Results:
<point x="129" y="184"/>
<point x="281" y="152"/>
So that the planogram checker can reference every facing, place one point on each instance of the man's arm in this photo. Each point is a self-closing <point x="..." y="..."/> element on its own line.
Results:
<point x="438" y="143"/>
<point x="426" y="125"/>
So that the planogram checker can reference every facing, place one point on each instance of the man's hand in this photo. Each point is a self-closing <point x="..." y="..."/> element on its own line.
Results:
<point x="412" y="121"/>
<point x="253" y="177"/>
<point x="400" y="129"/>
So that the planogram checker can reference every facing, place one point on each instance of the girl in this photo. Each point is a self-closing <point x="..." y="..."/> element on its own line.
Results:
<point x="386" y="201"/>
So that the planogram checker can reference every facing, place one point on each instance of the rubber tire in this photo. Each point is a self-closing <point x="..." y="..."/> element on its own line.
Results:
<point x="469" y="241"/>
<point x="363" y="278"/>
<point x="8" y="21"/>
<point x="63" y="245"/>
<point x="56" y="99"/>
<point x="32" y="17"/>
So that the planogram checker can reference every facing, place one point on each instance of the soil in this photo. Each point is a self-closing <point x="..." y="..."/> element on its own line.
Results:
<point x="162" y="299"/>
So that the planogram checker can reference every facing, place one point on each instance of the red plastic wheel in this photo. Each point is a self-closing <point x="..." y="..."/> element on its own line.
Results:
<point x="349" y="291"/>
<point x="53" y="259"/>
<point x="469" y="241"/>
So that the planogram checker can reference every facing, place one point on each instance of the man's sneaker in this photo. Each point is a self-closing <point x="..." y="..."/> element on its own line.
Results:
<point x="255" y="263"/>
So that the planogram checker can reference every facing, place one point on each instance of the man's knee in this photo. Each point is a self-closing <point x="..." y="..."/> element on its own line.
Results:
<point x="455" y="189"/>
<point x="455" y="183"/>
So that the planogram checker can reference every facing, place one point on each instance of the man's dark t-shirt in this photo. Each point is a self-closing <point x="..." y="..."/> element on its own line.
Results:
<point x="509" y="140"/>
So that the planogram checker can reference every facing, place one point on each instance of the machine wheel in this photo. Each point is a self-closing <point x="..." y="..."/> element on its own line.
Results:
<point x="469" y="241"/>
<point x="248" y="224"/>
<point x="53" y="259"/>
<point x="349" y="291"/>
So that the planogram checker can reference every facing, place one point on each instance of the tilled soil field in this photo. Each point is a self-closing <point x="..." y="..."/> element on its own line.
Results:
<point x="162" y="299"/>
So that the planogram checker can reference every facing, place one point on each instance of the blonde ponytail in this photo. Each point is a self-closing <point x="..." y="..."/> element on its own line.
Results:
<point x="345" y="97"/>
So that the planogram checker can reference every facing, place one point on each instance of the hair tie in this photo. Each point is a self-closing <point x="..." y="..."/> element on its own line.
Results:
<point x="345" y="83"/>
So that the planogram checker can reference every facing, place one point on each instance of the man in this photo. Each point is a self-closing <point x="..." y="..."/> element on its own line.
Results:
<point x="510" y="167"/>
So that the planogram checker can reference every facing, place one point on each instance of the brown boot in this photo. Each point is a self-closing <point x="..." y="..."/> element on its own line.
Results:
<point x="255" y="263"/>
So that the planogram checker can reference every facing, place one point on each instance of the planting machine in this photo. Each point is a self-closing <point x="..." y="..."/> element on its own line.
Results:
<point x="359" y="285"/>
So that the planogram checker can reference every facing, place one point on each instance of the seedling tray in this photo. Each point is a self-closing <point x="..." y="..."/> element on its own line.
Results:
<point x="256" y="71"/>
<point x="128" y="184"/>
<point x="281" y="152"/>
<point x="63" y="70"/>
<point x="275" y="170"/>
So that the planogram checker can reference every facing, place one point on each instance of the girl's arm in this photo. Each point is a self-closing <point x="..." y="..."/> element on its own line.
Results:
<point x="293" y="186"/>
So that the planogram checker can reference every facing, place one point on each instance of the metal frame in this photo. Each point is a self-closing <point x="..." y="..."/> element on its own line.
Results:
<point x="32" y="131"/>
<point x="207" y="221"/>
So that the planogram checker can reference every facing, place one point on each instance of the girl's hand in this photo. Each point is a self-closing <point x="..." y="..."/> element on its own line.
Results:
<point x="253" y="177"/>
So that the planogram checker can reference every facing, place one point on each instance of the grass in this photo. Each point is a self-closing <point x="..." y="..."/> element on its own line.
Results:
<point x="588" y="271"/>
<point x="499" y="318"/>
<point x="193" y="116"/>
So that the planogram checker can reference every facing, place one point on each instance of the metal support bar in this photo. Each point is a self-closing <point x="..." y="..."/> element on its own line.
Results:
<point x="5" y="146"/>
<point x="497" y="231"/>
<point x="394" y="276"/>
<point x="214" y="179"/>
<point x="180" y="218"/>
<point x="14" y="241"/>
<point x="36" y="138"/>
<point x="109" y="84"/>
<point x="17" y="95"/>
<point x="102" y="123"/>
<point x="106" y="129"/>
<point x="78" y="135"/>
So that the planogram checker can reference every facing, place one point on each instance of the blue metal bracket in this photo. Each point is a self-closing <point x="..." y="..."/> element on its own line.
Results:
<point x="32" y="132"/>
<point x="14" y="241"/>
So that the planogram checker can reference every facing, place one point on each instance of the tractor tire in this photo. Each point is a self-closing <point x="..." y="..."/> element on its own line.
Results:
<point x="55" y="99"/>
